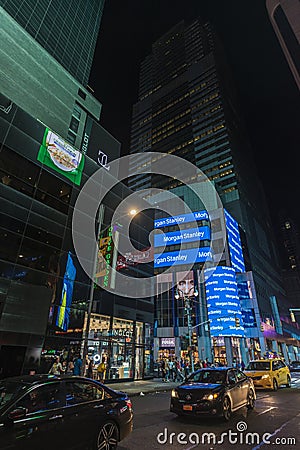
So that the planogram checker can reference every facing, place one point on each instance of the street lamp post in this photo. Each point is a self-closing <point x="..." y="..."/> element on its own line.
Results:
<point x="188" y="309"/>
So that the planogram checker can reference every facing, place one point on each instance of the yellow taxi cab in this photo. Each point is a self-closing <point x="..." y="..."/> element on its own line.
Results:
<point x="268" y="373"/>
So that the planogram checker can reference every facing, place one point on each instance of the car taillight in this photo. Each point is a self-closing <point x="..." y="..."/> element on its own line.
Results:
<point x="128" y="403"/>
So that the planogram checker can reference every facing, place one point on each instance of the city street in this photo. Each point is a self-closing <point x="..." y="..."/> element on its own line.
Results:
<point x="276" y="413"/>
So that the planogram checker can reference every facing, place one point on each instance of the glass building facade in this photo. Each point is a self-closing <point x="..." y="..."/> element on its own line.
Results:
<point x="45" y="296"/>
<point x="188" y="107"/>
<point x="68" y="32"/>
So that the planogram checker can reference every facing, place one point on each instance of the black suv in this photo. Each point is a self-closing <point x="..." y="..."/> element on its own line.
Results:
<point x="46" y="412"/>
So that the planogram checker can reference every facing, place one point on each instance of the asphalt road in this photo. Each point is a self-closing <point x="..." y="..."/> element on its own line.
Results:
<point x="276" y="413"/>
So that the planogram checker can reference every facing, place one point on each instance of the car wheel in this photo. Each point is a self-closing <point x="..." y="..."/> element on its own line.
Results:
<point x="288" y="381"/>
<point x="108" y="437"/>
<point x="251" y="400"/>
<point x="275" y="385"/>
<point x="226" y="409"/>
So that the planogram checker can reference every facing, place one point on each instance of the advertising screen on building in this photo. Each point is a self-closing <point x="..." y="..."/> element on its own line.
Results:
<point x="248" y="317"/>
<point x="234" y="243"/>
<point x="176" y="237"/>
<point x="180" y="219"/>
<point x="184" y="257"/>
<point x="60" y="156"/>
<point x="63" y="313"/>
<point x="223" y="304"/>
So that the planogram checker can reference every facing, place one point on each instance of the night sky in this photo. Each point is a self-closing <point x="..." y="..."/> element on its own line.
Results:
<point x="269" y="97"/>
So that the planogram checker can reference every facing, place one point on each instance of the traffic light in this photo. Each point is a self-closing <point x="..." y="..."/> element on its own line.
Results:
<point x="194" y="338"/>
<point x="237" y="322"/>
<point x="262" y="328"/>
<point x="293" y="318"/>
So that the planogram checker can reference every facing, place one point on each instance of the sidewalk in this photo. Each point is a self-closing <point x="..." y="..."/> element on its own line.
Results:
<point x="135" y="388"/>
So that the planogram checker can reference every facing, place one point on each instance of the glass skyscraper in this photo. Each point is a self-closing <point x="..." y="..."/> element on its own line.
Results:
<point x="187" y="106"/>
<point x="67" y="30"/>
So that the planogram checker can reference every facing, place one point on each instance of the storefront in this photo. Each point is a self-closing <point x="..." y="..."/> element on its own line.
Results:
<point x="124" y="345"/>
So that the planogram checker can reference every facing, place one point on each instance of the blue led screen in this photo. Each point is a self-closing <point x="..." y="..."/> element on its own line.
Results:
<point x="63" y="313"/>
<point x="234" y="243"/>
<point x="223" y="303"/>
<point x="248" y="318"/>
<point x="184" y="257"/>
<point x="177" y="237"/>
<point x="181" y="219"/>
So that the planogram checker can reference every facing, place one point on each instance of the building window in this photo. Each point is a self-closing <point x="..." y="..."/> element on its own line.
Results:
<point x="81" y="94"/>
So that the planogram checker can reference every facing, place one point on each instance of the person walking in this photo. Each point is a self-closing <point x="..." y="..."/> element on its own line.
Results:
<point x="171" y="367"/>
<point x="101" y="369"/>
<point x="89" y="370"/>
<point x="77" y="365"/>
<point x="56" y="368"/>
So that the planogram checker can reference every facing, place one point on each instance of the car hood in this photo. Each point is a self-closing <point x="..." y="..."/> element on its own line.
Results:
<point x="199" y="386"/>
<point x="256" y="373"/>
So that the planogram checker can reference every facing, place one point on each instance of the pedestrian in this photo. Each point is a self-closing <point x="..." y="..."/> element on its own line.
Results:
<point x="242" y="365"/>
<point x="167" y="371"/>
<point x="163" y="369"/>
<point x="77" y="365"/>
<point x="89" y="370"/>
<point x="56" y="368"/>
<point x="171" y="367"/>
<point x="101" y="369"/>
<point x="178" y="372"/>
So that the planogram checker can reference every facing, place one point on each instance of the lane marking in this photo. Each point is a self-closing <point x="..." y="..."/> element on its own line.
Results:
<point x="267" y="410"/>
<point x="274" y="434"/>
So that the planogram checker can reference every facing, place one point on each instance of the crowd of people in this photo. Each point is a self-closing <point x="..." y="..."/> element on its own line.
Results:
<point x="75" y="367"/>
<point x="177" y="369"/>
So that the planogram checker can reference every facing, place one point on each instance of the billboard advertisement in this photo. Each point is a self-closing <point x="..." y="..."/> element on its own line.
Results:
<point x="63" y="313"/>
<point x="60" y="156"/>
<point x="177" y="237"/>
<point x="183" y="257"/>
<point x="223" y="303"/>
<point x="234" y="243"/>
<point x="181" y="219"/>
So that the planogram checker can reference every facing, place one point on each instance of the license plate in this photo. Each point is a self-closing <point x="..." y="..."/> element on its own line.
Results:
<point x="187" y="407"/>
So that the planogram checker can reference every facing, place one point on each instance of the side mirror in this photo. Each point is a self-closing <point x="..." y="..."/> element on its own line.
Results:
<point x="17" y="414"/>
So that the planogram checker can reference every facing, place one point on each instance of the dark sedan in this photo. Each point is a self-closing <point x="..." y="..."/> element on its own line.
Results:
<point x="46" y="412"/>
<point x="213" y="391"/>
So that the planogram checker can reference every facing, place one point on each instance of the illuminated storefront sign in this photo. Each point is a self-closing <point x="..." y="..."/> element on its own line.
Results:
<point x="60" y="156"/>
<point x="175" y="237"/>
<point x="167" y="342"/>
<point x="234" y="243"/>
<point x="180" y="219"/>
<point x="188" y="256"/>
<point x="223" y="303"/>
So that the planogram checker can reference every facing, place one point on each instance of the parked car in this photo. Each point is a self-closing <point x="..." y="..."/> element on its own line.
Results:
<point x="213" y="391"/>
<point x="295" y="366"/>
<point x="46" y="412"/>
<point x="269" y="373"/>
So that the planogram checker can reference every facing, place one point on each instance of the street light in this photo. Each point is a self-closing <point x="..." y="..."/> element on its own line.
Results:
<point x="291" y="310"/>
<point x="181" y="293"/>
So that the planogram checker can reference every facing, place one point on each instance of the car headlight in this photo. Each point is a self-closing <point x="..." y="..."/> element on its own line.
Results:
<point x="210" y="396"/>
<point x="265" y="376"/>
<point x="174" y="393"/>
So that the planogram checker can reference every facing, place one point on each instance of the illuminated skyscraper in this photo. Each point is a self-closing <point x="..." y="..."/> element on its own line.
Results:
<point x="285" y="18"/>
<point x="187" y="106"/>
<point x="67" y="30"/>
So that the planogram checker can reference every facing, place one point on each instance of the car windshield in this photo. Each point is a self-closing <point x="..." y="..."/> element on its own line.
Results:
<point x="208" y="376"/>
<point x="8" y="391"/>
<point x="258" y="365"/>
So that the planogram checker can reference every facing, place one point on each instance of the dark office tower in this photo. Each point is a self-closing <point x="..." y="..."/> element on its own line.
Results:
<point x="68" y="30"/>
<point x="285" y="18"/>
<point x="291" y="243"/>
<point x="187" y="107"/>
